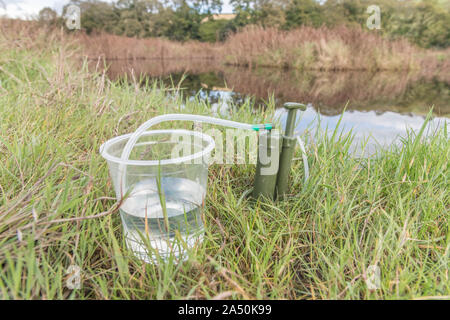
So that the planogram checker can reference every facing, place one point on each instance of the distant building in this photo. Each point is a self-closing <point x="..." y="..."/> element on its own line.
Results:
<point x="221" y="16"/>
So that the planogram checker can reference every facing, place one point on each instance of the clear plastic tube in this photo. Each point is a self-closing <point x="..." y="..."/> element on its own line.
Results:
<point x="178" y="117"/>
<point x="198" y="118"/>
<point x="182" y="117"/>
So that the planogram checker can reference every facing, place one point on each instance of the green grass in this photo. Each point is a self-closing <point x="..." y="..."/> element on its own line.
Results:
<point x="391" y="211"/>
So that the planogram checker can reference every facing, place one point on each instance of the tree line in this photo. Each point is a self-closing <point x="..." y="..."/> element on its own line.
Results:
<point x="424" y="22"/>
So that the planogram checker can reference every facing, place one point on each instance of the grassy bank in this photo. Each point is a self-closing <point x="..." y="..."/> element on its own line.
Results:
<point x="57" y="210"/>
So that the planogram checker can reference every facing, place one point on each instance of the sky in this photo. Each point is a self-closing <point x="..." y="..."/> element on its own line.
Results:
<point x="29" y="8"/>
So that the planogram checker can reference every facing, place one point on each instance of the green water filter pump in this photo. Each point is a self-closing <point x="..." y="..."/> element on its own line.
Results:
<point x="271" y="178"/>
<point x="267" y="166"/>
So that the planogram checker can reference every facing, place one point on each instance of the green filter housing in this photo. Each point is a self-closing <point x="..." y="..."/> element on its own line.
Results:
<point x="287" y="150"/>
<point x="266" y="171"/>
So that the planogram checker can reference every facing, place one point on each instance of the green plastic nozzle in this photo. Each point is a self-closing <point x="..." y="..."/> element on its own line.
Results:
<point x="266" y="126"/>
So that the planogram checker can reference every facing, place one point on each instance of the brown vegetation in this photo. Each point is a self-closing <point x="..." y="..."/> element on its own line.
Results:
<point x="117" y="47"/>
<point x="26" y="33"/>
<point x="340" y="48"/>
<point x="305" y="48"/>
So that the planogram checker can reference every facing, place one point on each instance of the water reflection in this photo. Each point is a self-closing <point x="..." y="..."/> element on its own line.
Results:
<point x="370" y="129"/>
<point x="328" y="92"/>
<point x="380" y="106"/>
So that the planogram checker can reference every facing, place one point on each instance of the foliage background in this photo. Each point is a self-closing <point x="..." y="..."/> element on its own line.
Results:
<point x="423" y="22"/>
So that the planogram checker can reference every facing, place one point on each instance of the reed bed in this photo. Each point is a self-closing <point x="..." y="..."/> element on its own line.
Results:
<point x="117" y="47"/>
<point x="327" y="49"/>
<point x="339" y="48"/>
<point x="306" y="48"/>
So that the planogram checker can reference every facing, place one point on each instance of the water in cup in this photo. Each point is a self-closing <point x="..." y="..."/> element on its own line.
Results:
<point x="173" y="232"/>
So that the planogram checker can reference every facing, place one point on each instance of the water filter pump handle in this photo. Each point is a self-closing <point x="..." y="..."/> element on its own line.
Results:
<point x="294" y="105"/>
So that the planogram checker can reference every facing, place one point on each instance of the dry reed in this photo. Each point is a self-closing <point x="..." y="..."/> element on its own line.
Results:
<point x="305" y="48"/>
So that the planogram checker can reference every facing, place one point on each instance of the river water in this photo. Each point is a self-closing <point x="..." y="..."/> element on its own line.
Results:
<point x="378" y="107"/>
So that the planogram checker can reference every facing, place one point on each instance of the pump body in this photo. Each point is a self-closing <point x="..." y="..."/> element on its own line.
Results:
<point x="267" y="165"/>
<point x="274" y="184"/>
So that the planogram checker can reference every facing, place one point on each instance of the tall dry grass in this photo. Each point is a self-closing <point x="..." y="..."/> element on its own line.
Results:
<point x="26" y="34"/>
<point x="108" y="46"/>
<point x="306" y="48"/>
<point x="118" y="47"/>
<point x="339" y="48"/>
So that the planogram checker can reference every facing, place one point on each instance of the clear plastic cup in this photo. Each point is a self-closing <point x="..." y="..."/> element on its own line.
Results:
<point x="163" y="187"/>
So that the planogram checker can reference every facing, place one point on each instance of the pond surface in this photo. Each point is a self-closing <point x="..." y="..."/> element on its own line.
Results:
<point x="379" y="107"/>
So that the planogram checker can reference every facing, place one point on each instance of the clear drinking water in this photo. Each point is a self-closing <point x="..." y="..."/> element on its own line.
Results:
<point x="173" y="232"/>
<point x="162" y="184"/>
